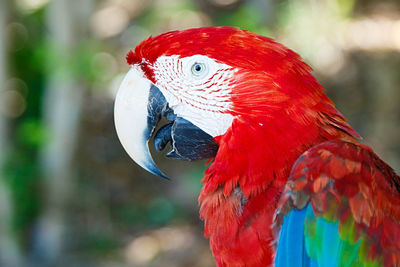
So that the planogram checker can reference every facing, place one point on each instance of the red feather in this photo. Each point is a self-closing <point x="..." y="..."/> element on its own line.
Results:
<point x="280" y="112"/>
<point x="351" y="181"/>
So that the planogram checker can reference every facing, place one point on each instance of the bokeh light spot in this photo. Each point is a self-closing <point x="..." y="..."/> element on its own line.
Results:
<point x="12" y="103"/>
<point x="19" y="33"/>
<point x="109" y="21"/>
<point x="12" y="98"/>
<point x="224" y="2"/>
<point x="142" y="249"/>
<point x="29" y="6"/>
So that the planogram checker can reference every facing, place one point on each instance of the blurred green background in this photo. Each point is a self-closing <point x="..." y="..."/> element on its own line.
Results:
<point x="69" y="194"/>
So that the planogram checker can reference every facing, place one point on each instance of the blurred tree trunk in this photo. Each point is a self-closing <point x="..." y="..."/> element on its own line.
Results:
<point x="9" y="249"/>
<point x="62" y="104"/>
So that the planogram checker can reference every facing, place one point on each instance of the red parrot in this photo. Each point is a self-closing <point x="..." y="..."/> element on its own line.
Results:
<point x="288" y="183"/>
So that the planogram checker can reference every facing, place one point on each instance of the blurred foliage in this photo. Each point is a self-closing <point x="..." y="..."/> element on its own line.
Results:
<point x="116" y="213"/>
<point x="22" y="171"/>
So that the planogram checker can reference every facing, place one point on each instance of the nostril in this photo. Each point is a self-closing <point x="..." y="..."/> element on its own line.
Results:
<point x="162" y="137"/>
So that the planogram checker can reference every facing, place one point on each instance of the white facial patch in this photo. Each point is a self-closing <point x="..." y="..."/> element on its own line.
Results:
<point x="197" y="88"/>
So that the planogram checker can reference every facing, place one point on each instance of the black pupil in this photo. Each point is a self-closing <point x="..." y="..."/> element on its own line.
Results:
<point x="197" y="67"/>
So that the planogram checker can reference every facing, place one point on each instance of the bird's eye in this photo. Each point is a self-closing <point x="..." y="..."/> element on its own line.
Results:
<point x="199" y="69"/>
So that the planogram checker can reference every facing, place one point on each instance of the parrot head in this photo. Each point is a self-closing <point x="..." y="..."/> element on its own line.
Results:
<point x="224" y="91"/>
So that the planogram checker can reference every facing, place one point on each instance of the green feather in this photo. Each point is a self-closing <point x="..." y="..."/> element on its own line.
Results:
<point x="333" y="248"/>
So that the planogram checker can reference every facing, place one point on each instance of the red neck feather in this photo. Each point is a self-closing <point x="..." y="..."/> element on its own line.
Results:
<point x="245" y="180"/>
<point x="277" y="117"/>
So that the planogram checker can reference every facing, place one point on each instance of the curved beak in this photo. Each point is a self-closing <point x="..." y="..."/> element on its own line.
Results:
<point x="138" y="107"/>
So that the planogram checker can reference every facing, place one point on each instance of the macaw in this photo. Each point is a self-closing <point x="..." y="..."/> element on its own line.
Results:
<point x="288" y="183"/>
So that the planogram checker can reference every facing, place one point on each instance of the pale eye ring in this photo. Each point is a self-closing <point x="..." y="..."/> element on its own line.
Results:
<point x="198" y="69"/>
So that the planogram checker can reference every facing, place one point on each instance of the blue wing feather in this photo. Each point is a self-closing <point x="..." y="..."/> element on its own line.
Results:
<point x="293" y="249"/>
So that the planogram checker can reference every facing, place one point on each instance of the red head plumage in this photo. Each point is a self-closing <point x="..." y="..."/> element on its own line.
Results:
<point x="269" y="73"/>
<point x="233" y="46"/>
<point x="279" y="111"/>
<point x="132" y="58"/>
